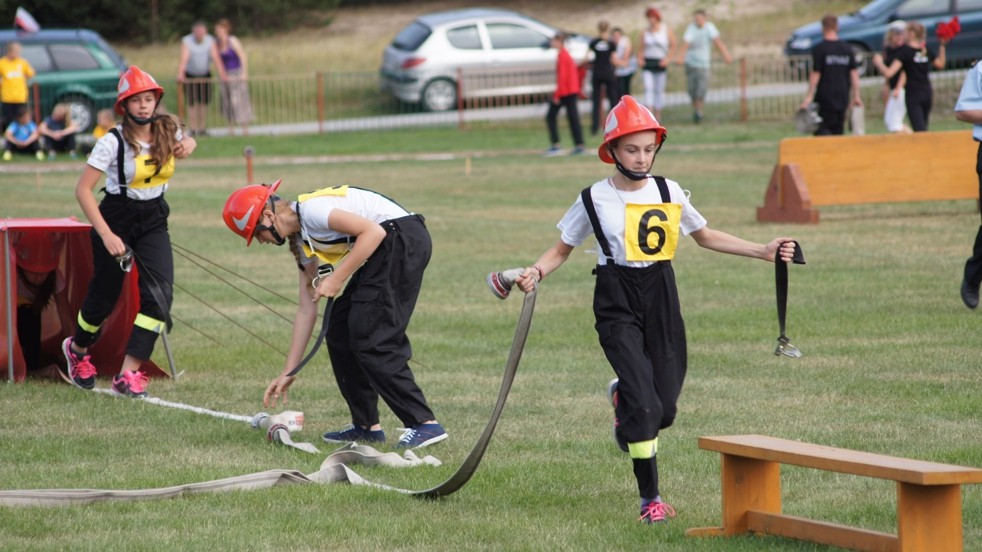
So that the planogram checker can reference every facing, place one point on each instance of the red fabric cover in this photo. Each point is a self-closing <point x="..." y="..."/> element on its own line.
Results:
<point x="75" y="263"/>
<point x="947" y="31"/>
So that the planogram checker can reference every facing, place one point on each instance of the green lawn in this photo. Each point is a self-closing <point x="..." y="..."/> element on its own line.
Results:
<point x="891" y="361"/>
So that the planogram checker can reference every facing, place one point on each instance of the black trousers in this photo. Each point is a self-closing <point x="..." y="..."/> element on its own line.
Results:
<point x="142" y="225"/>
<point x="639" y="323"/>
<point x="608" y="84"/>
<point x="572" y="114"/>
<point x="973" y="267"/>
<point x="919" y="108"/>
<point x="366" y="336"/>
<point x="833" y="121"/>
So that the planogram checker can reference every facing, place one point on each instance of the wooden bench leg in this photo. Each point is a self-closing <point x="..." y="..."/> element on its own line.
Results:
<point x="748" y="484"/>
<point x="929" y="517"/>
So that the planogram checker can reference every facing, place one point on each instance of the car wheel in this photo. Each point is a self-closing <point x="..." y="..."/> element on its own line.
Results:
<point x="439" y="95"/>
<point x="862" y="56"/>
<point x="80" y="111"/>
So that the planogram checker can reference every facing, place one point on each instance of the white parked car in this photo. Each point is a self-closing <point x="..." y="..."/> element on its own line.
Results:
<point x="499" y="53"/>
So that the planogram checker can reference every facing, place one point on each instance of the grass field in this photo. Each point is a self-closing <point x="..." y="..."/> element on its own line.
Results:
<point x="891" y="361"/>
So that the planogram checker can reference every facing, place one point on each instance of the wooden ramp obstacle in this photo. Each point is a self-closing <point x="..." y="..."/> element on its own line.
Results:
<point x="846" y="170"/>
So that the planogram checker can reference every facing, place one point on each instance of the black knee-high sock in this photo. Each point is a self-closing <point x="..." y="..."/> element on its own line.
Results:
<point x="646" y="472"/>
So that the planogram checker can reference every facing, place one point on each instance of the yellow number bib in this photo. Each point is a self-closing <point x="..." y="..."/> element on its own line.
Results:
<point x="145" y="177"/>
<point x="333" y="253"/>
<point x="651" y="232"/>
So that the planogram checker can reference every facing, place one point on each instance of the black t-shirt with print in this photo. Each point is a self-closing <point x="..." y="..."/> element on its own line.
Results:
<point x="602" y="50"/>
<point x="917" y="65"/>
<point x="834" y="59"/>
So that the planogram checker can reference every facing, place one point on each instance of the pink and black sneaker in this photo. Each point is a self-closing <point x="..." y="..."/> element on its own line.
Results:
<point x="81" y="372"/>
<point x="130" y="384"/>
<point x="656" y="511"/>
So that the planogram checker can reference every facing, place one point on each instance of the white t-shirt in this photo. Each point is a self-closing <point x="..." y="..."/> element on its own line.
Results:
<point x="656" y="43"/>
<point x="315" y="211"/>
<point x="610" y="204"/>
<point x="700" y="41"/>
<point x="143" y="186"/>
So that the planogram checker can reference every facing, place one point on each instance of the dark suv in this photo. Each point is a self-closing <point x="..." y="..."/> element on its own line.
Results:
<point x="74" y="66"/>
<point x="865" y="28"/>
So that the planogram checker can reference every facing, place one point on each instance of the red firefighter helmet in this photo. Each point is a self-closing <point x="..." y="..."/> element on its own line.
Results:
<point x="242" y="210"/>
<point x="628" y="117"/>
<point x="36" y="252"/>
<point x="133" y="82"/>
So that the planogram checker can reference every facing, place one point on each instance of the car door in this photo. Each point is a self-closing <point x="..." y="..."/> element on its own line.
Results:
<point x="520" y="57"/>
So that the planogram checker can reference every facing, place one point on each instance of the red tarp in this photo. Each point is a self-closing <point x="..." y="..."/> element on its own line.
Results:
<point x="75" y="266"/>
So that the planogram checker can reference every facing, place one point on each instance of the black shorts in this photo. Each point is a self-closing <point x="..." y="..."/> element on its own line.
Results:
<point x="197" y="92"/>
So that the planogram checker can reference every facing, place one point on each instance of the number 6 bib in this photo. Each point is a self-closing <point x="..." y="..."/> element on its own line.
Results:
<point x="651" y="232"/>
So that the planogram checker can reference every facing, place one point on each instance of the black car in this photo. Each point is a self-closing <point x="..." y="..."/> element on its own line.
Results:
<point x="865" y="29"/>
<point x="73" y="66"/>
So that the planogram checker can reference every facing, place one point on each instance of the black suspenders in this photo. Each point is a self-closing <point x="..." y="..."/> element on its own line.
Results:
<point x="591" y="212"/>
<point x="119" y="161"/>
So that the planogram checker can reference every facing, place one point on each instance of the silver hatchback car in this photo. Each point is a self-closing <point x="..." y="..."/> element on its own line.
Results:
<point x="499" y="52"/>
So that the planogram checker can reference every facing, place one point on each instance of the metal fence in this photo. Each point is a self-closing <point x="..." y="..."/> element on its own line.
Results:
<point x="750" y="89"/>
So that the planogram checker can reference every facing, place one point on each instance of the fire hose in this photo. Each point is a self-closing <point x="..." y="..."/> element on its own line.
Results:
<point x="334" y="469"/>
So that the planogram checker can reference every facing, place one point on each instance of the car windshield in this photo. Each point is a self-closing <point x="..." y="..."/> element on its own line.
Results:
<point x="410" y="38"/>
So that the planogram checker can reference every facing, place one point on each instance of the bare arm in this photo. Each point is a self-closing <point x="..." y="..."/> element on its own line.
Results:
<point x="856" y="97"/>
<point x="86" y="200"/>
<point x="303" y="327"/>
<point x="887" y="72"/>
<point x="680" y="56"/>
<point x="718" y="42"/>
<point x="973" y="116"/>
<point x="672" y="46"/>
<point x="217" y="60"/>
<point x="183" y="64"/>
<point x="240" y="51"/>
<point x="548" y="262"/>
<point x="369" y="235"/>
<point x="723" y="242"/>
<point x="939" y="61"/>
<point x="813" y="79"/>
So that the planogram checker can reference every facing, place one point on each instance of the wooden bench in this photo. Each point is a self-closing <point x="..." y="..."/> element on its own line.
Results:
<point x="929" y="515"/>
<point x="845" y="170"/>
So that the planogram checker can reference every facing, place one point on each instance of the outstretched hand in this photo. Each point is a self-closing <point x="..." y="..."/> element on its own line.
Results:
<point x="528" y="280"/>
<point x="276" y="390"/>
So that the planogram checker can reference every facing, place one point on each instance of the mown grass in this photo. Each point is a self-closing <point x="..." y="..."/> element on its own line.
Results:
<point x="890" y="364"/>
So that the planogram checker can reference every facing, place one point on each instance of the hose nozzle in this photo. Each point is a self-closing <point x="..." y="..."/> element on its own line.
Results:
<point x="502" y="282"/>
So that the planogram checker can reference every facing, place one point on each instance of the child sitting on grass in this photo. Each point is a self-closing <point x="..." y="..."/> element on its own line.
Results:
<point x="22" y="136"/>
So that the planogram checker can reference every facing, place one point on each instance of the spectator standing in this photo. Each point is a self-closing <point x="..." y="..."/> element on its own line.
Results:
<point x="235" y="102"/>
<point x="22" y="136"/>
<point x="198" y="53"/>
<point x="655" y="51"/>
<point x="916" y="60"/>
<point x="603" y="80"/>
<point x="834" y="72"/>
<point x="968" y="109"/>
<point x="15" y="71"/>
<point x="58" y="132"/>
<point x="625" y="62"/>
<point x="566" y="95"/>
<point x="895" y="108"/>
<point x="696" y="51"/>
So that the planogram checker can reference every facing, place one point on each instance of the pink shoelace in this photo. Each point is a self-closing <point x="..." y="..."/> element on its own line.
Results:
<point x="137" y="381"/>
<point x="83" y="369"/>
<point x="655" y="512"/>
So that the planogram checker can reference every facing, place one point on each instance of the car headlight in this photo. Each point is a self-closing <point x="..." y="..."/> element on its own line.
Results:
<point x="802" y="43"/>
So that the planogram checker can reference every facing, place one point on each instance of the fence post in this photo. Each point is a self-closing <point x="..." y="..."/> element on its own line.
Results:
<point x="743" y="90"/>
<point x="36" y="92"/>
<point x="181" y="110"/>
<point x="460" y="99"/>
<point x="320" y="101"/>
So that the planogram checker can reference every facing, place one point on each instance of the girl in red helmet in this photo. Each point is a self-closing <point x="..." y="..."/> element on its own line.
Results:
<point x="130" y="223"/>
<point x="636" y="219"/>
<point x="40" y="286"/>
<point x="350" y="235"/>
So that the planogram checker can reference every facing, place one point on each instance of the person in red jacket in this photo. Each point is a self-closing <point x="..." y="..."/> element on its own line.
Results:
<point x="566" y="95"/>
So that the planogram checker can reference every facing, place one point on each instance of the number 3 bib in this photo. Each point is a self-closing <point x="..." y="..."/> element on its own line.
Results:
<point x="651" y="232"/>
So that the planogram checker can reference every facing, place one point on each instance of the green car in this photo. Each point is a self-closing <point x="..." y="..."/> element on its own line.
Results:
<point x="74" y="66"/>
